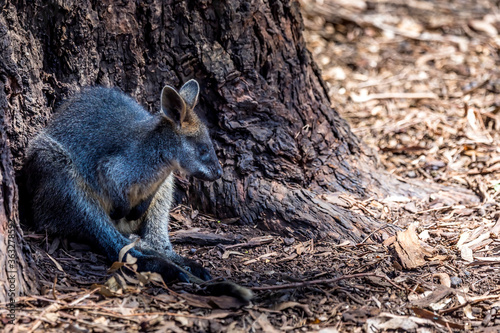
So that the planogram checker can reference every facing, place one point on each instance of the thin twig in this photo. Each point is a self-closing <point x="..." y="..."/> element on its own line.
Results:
<point x="87" y="295"/>
<point x="470" y="302"/>
<point x="394" y="95"/>
<point x="323" y="281"/>
<point x="438" y="209"/>
<point x="449" y="310"/>
<point x="377" y="230"/>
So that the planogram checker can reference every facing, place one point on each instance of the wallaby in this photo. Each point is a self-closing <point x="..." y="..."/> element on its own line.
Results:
<point x="101" y="171"/>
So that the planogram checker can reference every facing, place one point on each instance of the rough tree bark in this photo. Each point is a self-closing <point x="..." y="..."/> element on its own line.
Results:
<point x="15" y="275"/>
<point x="284" y="149"/>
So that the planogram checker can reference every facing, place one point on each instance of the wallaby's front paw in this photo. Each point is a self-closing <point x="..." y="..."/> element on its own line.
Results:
<point x="196" y="269"/>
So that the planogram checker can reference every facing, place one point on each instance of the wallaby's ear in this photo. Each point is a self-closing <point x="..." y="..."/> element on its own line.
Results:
<point x="173" y="105"/>
<point x="189" y="93"/>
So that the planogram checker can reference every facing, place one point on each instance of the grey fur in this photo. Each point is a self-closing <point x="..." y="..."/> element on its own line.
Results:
<point x="101" y="171"/>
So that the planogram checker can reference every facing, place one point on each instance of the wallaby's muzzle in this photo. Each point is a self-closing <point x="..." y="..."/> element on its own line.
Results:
<point x="209" y="174"/>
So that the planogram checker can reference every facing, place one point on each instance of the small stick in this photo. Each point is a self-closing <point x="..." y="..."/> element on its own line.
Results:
<point x="87" y="295"/>
<point x="438" y="208"/>
<point x="322" y="281"/>
<point x="381" y="228"/>
<point x="393" y="95"/>
<point x="445" y="311"/>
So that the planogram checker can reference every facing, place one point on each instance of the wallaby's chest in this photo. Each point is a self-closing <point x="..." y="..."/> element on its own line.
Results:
<point x="140" y="198"/>
<point x="140" y="192"/>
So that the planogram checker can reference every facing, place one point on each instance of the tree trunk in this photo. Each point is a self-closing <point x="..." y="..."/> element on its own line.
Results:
<point x="15" y="276"/>
<point x="283" y="148"/>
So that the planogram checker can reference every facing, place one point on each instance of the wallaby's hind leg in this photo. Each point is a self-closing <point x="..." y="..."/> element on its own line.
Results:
<point x="63" y="204"/>
<point x="154" y="230"/>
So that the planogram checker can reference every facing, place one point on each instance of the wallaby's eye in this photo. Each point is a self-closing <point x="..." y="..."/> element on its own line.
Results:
<point x="203" y="149"/>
